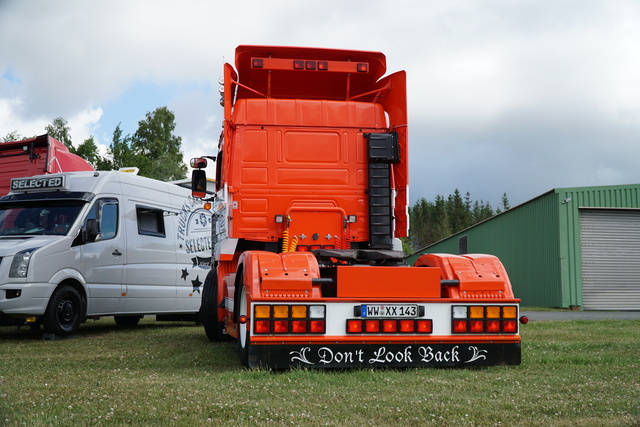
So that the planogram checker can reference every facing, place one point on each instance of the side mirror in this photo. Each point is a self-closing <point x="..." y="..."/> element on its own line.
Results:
<point x="198" y="183"/>
<point x="92" y="230"/>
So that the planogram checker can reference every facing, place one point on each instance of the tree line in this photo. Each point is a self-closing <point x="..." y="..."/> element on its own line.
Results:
<point x="431" y="221"/>
<point x="153" y="148"/>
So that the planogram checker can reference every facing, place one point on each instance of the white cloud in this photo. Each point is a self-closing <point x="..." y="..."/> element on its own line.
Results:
<point x="497" y="90"/>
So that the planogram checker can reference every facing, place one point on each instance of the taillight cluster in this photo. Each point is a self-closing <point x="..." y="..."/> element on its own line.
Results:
<point x="389" y="326"/>
<point x="289" y="319"/>
<point x="484" y="319"/>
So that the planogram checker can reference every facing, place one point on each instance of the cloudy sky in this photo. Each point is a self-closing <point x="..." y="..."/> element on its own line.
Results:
<point x="504" y="95"/>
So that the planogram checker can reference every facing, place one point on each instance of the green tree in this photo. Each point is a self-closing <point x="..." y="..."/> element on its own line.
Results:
<point x="88" y="150"/>
<point x="120" y="153"/>
<point x="458" y="211"/>
<point x="437" y="220"/>
<point x="155" y="147"/>
<point x="504" y="204"/>
<point x="13" y="136"/>
<point x="60" y="130"/>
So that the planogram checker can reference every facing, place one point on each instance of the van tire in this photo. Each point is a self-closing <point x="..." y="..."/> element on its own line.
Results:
<point x="64" y="312"/>
<point x="127" y="321"/>
<point x="209" y="307"/>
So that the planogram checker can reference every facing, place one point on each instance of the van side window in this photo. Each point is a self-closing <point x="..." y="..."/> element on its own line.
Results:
<point x="150" y="221"/>
<point x="109" y="221"/>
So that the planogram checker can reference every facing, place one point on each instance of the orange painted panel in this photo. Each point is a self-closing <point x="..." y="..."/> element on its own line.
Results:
<point x="311" y="147"/>
<point x="388" y="282"/>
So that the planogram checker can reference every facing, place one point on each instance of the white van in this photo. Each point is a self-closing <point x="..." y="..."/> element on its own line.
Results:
<point x="83" y="245"/>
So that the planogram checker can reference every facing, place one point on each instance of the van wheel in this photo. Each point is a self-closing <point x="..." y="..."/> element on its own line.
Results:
<point x="209" y="307"/>
<point x="64" y="312"/>
<point x="244" y="334"/>
<point x="127" y="321"/>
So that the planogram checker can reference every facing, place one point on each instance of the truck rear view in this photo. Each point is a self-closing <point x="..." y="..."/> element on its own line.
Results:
<point x="310" y="203"/>
<point x="40" y="155"/>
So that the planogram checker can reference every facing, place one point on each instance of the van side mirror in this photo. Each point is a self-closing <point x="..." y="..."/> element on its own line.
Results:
<point x="92" y="230"/>
<point x="198" y="183"/>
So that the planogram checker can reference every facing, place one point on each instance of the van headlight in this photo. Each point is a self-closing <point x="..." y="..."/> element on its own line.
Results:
<point x="20" y="264"/>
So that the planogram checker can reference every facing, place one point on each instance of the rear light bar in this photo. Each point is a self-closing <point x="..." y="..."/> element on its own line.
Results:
<point x="289" y="319"/>
<point x="481" y="319"/>
<point x="309" y="65"/>
<point x="389" y="326"/>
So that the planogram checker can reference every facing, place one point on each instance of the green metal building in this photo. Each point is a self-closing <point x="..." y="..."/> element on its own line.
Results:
<point x="569" y="247"/>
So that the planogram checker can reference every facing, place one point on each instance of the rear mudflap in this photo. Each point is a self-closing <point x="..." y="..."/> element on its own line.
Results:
<point x="383" y="355"/>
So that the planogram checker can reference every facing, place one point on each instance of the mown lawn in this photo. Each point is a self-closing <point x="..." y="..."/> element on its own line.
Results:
<point x="582" y="373"/>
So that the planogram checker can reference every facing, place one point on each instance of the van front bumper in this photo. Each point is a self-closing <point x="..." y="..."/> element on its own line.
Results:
<point x="23" y="300"/>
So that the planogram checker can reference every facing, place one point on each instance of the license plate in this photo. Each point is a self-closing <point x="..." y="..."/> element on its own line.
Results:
<point x="389" y="310"/>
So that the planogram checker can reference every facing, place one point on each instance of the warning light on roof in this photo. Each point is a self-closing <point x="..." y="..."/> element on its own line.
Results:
<point x="257" y="63"/>
<point x="363" y="67"/>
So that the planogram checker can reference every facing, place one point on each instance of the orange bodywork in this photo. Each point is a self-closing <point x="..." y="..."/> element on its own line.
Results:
<point x="291" y="146"/>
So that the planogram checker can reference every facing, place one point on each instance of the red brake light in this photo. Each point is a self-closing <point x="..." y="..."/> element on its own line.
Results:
<point x="493" y="326"/>
<point x="354" y="326"/>
<point x="425" y="326"/>
<point x="372" y="326"/>
<point x="316" y="326"/>
<point x="390" y="326"/>
<point x="459" y="326"/>
<point x="510" y="326"/>
<point x="262" y="326"/>
<point x="476" y="325"/>
<point x="407" y="326"/>
<point x="299" y="326"/>
<point x="280" y="326"/>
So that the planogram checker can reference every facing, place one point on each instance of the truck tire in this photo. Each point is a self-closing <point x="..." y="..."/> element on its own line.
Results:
<point x="244" y="334"/>
<point x="64" y="312"/>
<point x="209" y="307"/>
<point x="127" y="321"/>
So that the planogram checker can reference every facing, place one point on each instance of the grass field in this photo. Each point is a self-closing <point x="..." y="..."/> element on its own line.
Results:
<point x="582" y="373"/>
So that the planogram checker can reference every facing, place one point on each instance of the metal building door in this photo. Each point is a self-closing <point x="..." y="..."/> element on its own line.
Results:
<point x="610" y="240"/>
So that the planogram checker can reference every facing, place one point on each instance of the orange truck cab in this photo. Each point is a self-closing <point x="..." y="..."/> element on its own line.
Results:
<point x="311" y="200"/>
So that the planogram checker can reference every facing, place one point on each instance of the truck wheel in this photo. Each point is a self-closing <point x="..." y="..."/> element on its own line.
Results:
<point x="127" y="321"/>
<point x="244" y="334"/>
<point x="209" y="307"/>
<point x="64" y="312"/>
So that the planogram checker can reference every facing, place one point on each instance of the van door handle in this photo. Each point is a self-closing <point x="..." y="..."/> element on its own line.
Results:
<point x="116" y="253"/>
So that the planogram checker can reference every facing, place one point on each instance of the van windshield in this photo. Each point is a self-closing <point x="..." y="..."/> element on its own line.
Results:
<point x="39" y="217"/>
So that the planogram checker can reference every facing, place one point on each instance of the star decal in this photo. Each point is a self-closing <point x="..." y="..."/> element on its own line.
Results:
<point x="196" y="284"/>
<point x="184" y="274"/>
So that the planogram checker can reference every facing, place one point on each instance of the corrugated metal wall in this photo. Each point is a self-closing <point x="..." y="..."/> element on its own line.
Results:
<point x="525" y="240"/>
